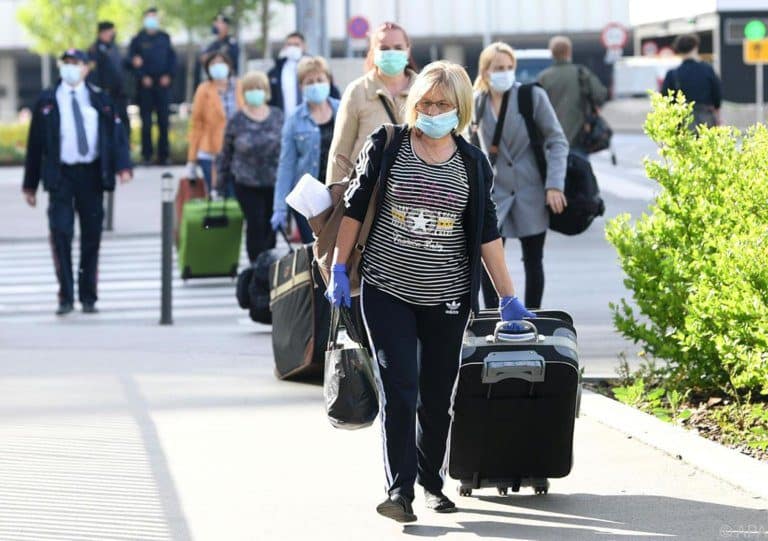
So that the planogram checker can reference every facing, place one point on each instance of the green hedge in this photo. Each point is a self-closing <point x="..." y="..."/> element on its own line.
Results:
<point x="13" y="142"/>
<point x="697" y="263"/>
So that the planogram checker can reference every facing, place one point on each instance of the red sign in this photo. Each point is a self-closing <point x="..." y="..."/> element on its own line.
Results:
<point x="650" y="48"/>
<point x="614" y="36"/>
<point x="358" y="27"/>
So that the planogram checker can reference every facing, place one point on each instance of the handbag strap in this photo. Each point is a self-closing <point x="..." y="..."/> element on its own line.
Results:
<point x="282" y="232"/>
<point x="365" y="228"/>
<point x="333" y="332"/>
<point x="494" y="149"/>
<point x="388" y="109"/>
<point x="525" y="105"/>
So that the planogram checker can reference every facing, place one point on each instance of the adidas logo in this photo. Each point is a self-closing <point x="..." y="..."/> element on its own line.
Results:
<point x="452" y="308"/>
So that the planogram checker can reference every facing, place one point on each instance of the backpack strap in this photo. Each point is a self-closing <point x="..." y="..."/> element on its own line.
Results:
<point x="525" y="106"/>
<point x="493" y="151"/>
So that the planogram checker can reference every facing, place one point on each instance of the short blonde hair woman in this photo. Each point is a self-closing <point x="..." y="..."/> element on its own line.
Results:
<point x="376" y="98"/>
<point x="256" y="80"/>
<point x="434" y="229"/>
<point x="306" y="139"/>
<point x="520" y="194"/>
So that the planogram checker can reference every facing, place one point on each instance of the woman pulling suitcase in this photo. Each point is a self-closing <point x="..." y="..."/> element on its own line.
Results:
<point x="434" y="230"/>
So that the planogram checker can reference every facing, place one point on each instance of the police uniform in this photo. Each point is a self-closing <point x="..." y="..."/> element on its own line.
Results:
<point x="159" y="59"/>
<point x="76" y="145"/>
<point x="108" y="75"/>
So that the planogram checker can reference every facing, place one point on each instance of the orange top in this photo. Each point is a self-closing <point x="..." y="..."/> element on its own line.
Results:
<point x="208" y="119"/>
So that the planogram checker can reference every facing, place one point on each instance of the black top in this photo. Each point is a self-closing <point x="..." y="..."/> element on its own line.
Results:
<point x="326" y="135"/>
<point x="157" y="53"/>
<point x="108" y="73"/>
<point x="43" y="158"/>
<point x="697" y="80"/>
<point x="479" y="220"/>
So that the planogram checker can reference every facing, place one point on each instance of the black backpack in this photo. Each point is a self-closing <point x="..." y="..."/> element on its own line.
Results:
<point x="581" y="190"/>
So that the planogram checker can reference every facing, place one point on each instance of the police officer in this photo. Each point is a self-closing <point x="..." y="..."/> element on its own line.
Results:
<point x="107" y="73"/>
<point x="76" y="145"/>
<point x="224" y="43"/>
<point x="154" y="62"/>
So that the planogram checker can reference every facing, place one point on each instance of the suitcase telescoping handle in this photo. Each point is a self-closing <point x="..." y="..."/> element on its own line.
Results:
<point x="518" y="338"/>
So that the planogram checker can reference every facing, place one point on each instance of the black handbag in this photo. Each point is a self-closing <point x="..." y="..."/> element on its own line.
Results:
<point x="595" y="133"/>
<point x="581" y="189"/>
<point x="349" y="386"/>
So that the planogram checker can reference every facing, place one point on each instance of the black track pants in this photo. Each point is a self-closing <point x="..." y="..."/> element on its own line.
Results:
<point x="418" y="351"/>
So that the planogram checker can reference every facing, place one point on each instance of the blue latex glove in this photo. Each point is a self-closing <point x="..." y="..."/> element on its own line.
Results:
<point x="511" y="309"/>
<point x="279" y="219"/>
<point x="338" y="291"/>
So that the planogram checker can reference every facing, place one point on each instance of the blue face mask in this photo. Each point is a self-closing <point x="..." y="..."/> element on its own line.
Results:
<point x="71" y="74"/>
<point x="151" y="23"/>
<point x="439" y="125"/>
<point x="218" y="71"/>
<point x="391" y="62"/>
<point x="317" y="92"/>
<point x="255" y="97"/>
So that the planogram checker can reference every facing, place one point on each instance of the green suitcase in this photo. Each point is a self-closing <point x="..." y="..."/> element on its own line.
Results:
<point x="209" y="240"/>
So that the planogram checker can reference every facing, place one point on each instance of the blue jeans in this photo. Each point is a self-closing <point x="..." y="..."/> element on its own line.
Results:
<point x="206" y="165"/>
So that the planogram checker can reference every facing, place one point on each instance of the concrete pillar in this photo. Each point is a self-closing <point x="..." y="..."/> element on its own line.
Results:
<point x="9" y="89"/>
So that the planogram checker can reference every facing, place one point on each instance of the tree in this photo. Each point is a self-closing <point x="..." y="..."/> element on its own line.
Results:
<point x="57" y="25"/>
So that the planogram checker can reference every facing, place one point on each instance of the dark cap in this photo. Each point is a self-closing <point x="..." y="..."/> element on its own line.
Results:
<point x="105" y="25"/>
<point x="223" y="18"/>
<point x="77" y="54"/>
<point x="152" y="9"/>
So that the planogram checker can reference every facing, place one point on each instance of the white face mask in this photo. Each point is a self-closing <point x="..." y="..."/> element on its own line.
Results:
<point x="292" y="52"/>
<point x="501" y="81"/>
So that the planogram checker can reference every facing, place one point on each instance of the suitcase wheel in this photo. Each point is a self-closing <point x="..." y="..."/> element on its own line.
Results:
<point x="540" y="486"/>
<point x="465" y="491"/>
<point x="503" y="491"/>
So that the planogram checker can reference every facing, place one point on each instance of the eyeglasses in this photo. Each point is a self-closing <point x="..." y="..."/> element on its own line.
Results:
<point x="425" y="106"/>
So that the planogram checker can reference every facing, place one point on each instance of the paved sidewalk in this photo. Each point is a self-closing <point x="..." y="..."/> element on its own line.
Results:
<point x="184" y="433"/>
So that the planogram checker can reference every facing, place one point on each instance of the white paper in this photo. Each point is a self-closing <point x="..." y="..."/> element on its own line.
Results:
<point x="309" y="197"/>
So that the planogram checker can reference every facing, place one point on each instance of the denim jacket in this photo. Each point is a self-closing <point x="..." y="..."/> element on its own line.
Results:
<point x="299" y="151"/>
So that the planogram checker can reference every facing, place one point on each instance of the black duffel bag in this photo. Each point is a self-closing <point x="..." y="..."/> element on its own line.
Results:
<point x="581" y="190"/>
<point x="583" y="196"/>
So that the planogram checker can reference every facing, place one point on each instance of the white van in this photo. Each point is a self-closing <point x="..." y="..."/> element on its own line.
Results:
<point x="531" y="62"/>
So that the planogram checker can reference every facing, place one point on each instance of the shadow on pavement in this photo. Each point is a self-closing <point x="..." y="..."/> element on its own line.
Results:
<point x="577" y="517"/>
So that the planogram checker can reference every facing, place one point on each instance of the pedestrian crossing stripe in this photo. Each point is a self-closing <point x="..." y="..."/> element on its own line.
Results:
<point x="129" y="285"/>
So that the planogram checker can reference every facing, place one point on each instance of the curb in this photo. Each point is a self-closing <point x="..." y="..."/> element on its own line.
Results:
<point x="726" y="464"/>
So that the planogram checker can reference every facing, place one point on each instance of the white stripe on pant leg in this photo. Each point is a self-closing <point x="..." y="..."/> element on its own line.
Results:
<point x="446" y="456"/>
<point x="380" y="385"/>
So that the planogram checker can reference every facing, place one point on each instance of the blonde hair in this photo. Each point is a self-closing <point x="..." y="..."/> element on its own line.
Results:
<point x="484" y="63"/>
<point x="452" y="80"/>
<point x="312" y="64"/>
<point x="256" y="79"/>
<point x="561" y="47"/>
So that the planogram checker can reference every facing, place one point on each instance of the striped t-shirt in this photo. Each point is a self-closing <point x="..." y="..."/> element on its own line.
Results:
<point x="417" y="250"/>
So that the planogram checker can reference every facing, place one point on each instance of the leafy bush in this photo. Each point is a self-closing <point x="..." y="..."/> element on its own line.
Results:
<point x="13" y="141"/>
<point x="697" y="263"/>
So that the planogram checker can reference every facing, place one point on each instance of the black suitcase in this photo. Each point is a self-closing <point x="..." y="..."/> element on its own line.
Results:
<point x="515" y="405"/>
<point x="300" y="316"/>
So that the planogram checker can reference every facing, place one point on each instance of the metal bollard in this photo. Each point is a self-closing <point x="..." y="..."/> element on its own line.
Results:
<point x="167" y="253"/>
<point x="110" y="211"/>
